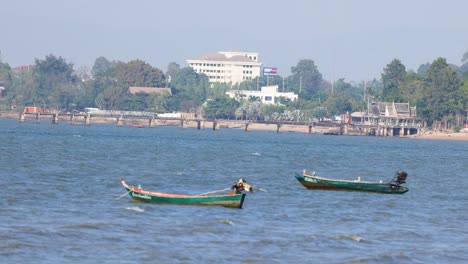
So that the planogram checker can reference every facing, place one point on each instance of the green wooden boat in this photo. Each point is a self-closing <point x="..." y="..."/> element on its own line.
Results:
<point x="314" y="182"/>
<point x="226" y="200"/>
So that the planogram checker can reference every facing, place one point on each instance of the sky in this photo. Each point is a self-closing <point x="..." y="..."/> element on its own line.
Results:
<point x="350" y="39"/>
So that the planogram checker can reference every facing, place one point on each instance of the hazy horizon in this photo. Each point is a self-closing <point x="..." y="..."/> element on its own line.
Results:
<point x="354" y="40"/>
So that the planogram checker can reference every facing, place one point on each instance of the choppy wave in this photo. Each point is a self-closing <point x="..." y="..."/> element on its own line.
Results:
<point x="59" y="197"/>
<point x="226" y="221"/>
<point x="83" y="226"/>
<point x="135" y="208"/>
<point x="351" y="237"/>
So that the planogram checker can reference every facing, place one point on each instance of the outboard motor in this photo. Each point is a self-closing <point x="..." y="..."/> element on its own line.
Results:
<point x="400" y="177"/>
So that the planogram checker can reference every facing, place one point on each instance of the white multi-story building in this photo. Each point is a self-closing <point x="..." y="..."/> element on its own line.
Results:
<point x="268" y="94"/>
<point x="228" y="67"/>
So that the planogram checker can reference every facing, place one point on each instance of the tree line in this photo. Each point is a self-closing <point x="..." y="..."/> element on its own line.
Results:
<point x="439" y="90"/>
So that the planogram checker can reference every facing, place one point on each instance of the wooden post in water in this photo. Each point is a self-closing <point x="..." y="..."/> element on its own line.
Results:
<point x="120" y="121"/>
<point x="72" y="116"/>
<point x="182" y="123"/>
<point x="152" y="122"/>
<point x="215" y="124"/>
<point x="246" y="129"/>
<point x="87" y="119"/>
<point x="310" y="129"/>
<point x="21" y="117"/>
<point x="38" y="117"/>
<point x="198" y="124"/>
<point x="55" y="119"/>
<point x="278" y="125"/>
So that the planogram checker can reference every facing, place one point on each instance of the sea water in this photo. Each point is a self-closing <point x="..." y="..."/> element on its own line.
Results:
<point x="62" y="200"/>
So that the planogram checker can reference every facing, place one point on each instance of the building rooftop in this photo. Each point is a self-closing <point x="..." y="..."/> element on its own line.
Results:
<point x="222" y="57"/>
<point x="392" y="109"/>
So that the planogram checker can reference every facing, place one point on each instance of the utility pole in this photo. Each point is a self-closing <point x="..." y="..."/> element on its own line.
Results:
<point x="333" y="86"/>
<point x="300" y="84"/>
<point x="283" y="84"/>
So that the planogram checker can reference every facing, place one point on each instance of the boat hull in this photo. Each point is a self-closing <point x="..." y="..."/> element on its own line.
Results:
<point x="318" y="183"/>
<point x="228" y="200"/>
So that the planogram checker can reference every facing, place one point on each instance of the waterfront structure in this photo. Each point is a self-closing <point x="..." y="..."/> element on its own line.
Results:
<point x="228" y="66"/>
<point x="267" y="94"/>
<point x="392" y="109"/>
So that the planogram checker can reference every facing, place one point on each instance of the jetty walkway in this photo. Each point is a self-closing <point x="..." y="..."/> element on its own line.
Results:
<point x="377" y="127"/>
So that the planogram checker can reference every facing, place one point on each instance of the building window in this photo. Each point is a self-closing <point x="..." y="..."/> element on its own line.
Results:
<point x="268" y="98"/>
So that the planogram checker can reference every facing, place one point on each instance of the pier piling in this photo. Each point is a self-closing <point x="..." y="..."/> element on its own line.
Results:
<point x="88" y="119"/>
<point x="152" y="122"/>
<point x="55" y="119"/>
<point x="120" y="121"/>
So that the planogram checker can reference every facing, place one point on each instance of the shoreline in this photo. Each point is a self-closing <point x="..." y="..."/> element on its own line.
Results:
<point x="236" y="124"/>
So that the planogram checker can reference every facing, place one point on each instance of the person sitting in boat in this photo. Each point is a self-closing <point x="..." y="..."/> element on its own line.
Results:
<point x="241" y="186"/>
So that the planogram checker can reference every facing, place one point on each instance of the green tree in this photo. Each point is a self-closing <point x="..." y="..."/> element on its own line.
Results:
<point x="218" y="90"/>
<point x="465" y="57"/>
<point x="139" y="73"/>
<point x="55" y="83"/>
<point x="222" y="107"/>
<point x="462" y="96"/>
<point x="190" y="88"/>
<point x="137" y="102"/>
<point x="250" y="110"/>
<point x="172" y="70"/>
<point x="422" y="69"/>
<point x="412" y="89"/>
<point x="305" y="77"/>
<point x="6" y="77"/>
<point x="102" y="66"/>
<point x="112" y="85"/>
<point x="338" y="104"/>
<point x="112" y="97"/>
<point x="441" y="90"/>
<point x="6" y="81"/>
<point x="272" y="111"/>
<point x="393" y="77"/>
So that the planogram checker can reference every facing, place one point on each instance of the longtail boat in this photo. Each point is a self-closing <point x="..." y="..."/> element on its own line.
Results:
<point x="227" y="200"/>
<point x="314" y="182"/>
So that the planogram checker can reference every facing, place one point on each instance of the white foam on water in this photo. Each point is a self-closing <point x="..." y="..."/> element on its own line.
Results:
<point x="226" y="221"/>
<point x="351" y="237"/>
<point x="134" y="208"/>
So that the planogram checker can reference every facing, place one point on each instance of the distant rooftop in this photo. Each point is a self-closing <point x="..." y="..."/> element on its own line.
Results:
<point x="230" y="56"/>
